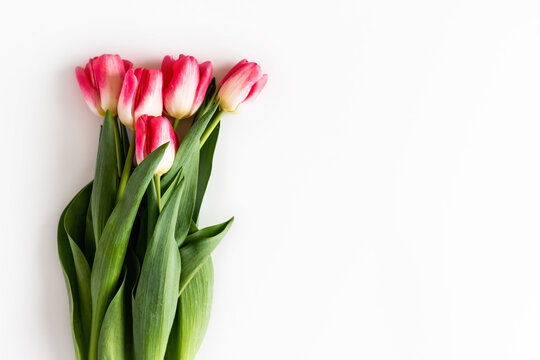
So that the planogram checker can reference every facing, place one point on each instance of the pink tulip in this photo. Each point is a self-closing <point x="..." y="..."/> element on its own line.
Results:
<point x="184" y="85"/>
<point x="141" y="95"/>
<point x="243" y="83"/>
<point x="101" y="81"/>
<point x="152" y="132"/>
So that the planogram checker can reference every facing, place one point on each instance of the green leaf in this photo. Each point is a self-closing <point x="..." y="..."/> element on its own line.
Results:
<point x="198" y="247"/>
<point x="189" y="145"/>
<point x="89" y="239"/>
<point x="112" y="338"/>
<point x="70" y="274"/>
<point x="205" y="169"/>
<point x="152" y="209"/>
<point x="193" y="227"/>
<point x="193" y="315"/>
<point x="106" y="178"/>
<point x="208" y="98"/>
<point x="133" y="270"/>
<point x="125" y="140"/>
<point x="112" y="247"/>
<point x="189" y="194"/>
<point x="157" y="292"/>
<point x="75" y="224"/>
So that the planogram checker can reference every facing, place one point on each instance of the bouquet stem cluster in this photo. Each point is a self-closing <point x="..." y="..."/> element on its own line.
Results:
<point x="138" y="268"/>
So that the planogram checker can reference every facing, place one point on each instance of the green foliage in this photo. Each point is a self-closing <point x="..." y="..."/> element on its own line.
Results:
<point x="157" y="292"/>
<point x="197" y="249"/>
<point x="140" y="278"/>
<point x="112" y="246"/>
<point x="112" y="338"/>
<point x="193" y="315"/>
<point x="106" y="177"/>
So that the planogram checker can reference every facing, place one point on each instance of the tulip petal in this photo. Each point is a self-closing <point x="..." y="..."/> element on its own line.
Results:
<point x="127" y="65"/>
<point x="238" y="86"/>
<point x="89" y="94"/>
<point x="257" y="88"/>
<point x="180" y="93"/>
<point x="149" y="99"/>
<point x="151" y="133"/>
<point x="231" y="72"/>
<point x="205" y="71"/>
<point x="140" y="139"/>
<point x="167" y="70"/>
<point x="127" y="99"/>
<point x="109" y="71"/>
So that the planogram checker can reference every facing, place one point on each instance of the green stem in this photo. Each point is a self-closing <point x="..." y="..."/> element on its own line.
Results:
<point x="211" y="128"/>
<point x="117" y="146"/>
<point x="157" y="180"/>
<point x="176" y="122"/>
<point x="127" y="169"/>
<point x="94" y="339"/>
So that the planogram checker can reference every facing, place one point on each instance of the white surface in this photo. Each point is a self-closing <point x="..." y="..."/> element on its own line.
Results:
<point x="386" y="185"/>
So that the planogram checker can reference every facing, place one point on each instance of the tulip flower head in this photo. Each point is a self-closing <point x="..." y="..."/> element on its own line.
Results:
<point x="151" y="132"/>
<point x="101" y="81"/>
<point x="243" y="83"/>
<point x="140" y="95"/>
<point x="185" y="82"/>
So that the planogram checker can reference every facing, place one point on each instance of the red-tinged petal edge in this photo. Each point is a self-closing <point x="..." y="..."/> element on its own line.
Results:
<point x="257" y="88"/>
<point x="167" y="70"/>
<point x="231" y="72"/>
<point x="205" y="70"/>
<point x="87" y="89"/>
<point x="126" y="102"/>
<point x="140" y="138"/>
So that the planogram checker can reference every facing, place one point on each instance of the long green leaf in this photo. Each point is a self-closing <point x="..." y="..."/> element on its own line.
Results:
<point x="152" y="212"/>
<point x="197" y="249"/>
<point x="205" y="169"/>
<point x="112" y="338"/>
<point x="70" y="274"/>
<point x="106" y="177"/>
<point x="193" y="315"/>
<point x="157" y="292"/>
<point x="133" y="271"/>
<point x="112" y="247"/>
<point x="189" y="194"/>
<point x="75" y="224"/>
<point x="89" y="239"/>
<point x="125" y="140"/>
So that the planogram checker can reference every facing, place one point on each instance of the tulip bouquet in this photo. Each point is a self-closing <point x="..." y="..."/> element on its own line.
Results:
<point x="138" y="269"/>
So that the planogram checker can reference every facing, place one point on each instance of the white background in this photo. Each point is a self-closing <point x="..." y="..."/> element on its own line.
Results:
<point x="386" y="183"/>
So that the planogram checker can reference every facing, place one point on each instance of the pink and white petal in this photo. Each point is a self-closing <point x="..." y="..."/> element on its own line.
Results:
<point x="166" y="161"/>
<point x="141" y="139"/>
<point x="88" y="91"/>
<point x="167" y="69"/>
<point x="127" y="64"/>
<point x="161" y="133"/>
<point x="180" y="93"/>
<point x="235" y="68"/>
<point x="235" y="90"/>
<point x="205" y="73"/>
<point x="150" y="101"/>
<point x="109" y="72"/>
<point x="257" y="88"/>
<point x="126" y="102"/>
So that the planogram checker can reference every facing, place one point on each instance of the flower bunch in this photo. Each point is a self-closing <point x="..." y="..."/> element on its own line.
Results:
<point x="138" y="269"/>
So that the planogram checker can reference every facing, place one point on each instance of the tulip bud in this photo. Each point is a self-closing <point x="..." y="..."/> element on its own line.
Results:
<point x="141" y="95"/>
<point x="101" y="81"/>
<point x="151" y="132"/>
<point x="184" y="85"/>
<point x="243" y="83"/>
